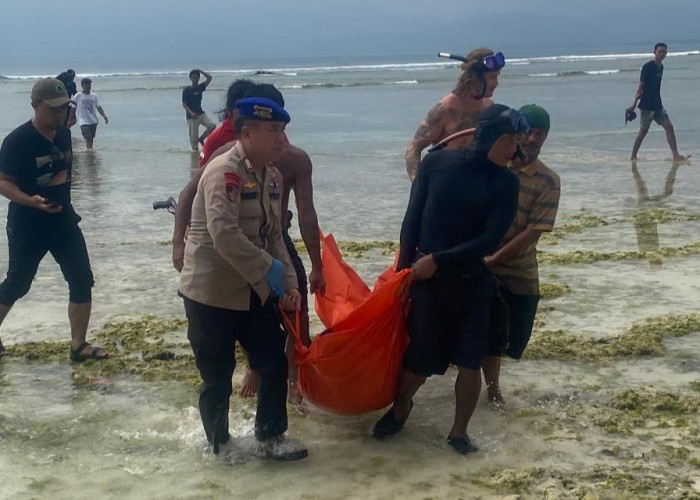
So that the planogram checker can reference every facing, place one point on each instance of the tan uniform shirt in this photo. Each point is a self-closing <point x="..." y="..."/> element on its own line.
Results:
<point x="234" y="234"/>
<point x="538" y="201"/>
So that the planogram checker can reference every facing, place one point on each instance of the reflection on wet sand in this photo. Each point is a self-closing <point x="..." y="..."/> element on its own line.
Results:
<point x="645" y="224"/>
<point x="86" y="175"/>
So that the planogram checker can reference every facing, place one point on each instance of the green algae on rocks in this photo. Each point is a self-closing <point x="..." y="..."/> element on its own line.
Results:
<point x="582" y="220"/>
<point x="641" y="339"/>
<point x="647" y="402"/>
<point x="589" y="257"/>
<point x="147" y="346"/>
<point x="151" y="347"/>
<point x="550" y="291"/>
<point x="588" y="483"/>
<point x="658" y="215"/>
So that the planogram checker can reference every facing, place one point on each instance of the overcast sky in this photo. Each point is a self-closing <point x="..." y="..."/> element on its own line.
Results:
<point x="199" y="32"/>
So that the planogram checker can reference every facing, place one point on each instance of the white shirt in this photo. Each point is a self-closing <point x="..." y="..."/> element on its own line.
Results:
<point x="86" y="108"/>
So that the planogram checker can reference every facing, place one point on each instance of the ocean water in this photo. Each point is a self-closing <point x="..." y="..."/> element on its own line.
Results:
<point x="354" y="117"/>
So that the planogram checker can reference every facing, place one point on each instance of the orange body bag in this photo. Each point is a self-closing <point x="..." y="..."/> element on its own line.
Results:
<point x="353" y="366"/>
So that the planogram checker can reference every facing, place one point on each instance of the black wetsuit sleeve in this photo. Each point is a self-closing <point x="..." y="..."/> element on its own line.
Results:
<point x="500" y="214"/>
<point x="410" y="229"/>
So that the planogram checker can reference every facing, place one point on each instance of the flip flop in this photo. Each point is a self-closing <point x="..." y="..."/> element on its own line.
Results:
<point x="77" y="356"/>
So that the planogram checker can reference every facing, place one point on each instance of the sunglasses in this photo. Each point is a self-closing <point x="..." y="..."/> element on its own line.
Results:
<point x="494" y="62"/>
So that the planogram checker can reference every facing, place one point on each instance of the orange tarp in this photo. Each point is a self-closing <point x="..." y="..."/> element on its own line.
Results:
<point x="353" y="366"/>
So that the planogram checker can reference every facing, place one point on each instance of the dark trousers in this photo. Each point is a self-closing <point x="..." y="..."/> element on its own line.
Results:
<point x="299" y="269"/>
<point x="212" y="332"/>
<point x="28" y="246"/>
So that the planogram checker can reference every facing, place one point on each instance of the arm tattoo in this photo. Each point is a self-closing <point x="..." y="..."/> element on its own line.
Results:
<point x="423" y="137"/>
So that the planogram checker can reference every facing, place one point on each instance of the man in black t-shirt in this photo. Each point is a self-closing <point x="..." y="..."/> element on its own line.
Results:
<point x="35" y="175"/>
<point x="192" y="102"/>
<point x="649" y="96"/>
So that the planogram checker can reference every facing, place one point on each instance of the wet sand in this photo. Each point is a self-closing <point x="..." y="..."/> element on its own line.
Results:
<point x="605" y="404"/>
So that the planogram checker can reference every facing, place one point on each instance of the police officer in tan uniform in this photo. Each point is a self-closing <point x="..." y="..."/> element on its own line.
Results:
<point x="236" y="269"/>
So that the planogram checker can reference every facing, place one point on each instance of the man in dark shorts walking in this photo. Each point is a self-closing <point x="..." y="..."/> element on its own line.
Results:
<point x="192" y="102"/>
<point x="35" y="175"/>
<point x="462" y="202"/>
<point x="515" y="262"/>
<point x="649" y="97"/>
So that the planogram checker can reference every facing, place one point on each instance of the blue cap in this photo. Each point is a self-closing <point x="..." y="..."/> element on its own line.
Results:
<point x="260" y="108"/>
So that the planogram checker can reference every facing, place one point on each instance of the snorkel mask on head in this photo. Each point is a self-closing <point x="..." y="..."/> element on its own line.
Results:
<point x="489" y="63"/>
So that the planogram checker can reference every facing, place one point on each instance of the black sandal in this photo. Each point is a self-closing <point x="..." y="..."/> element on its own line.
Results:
<point x="462" y="444"/>
<point x="389" y="425"/>
<point x="77" y="356"/>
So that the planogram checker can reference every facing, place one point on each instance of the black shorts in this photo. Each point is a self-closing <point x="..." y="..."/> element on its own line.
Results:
<point x="448" y="323"/>
<point x="27" y="248"/>
<point x="512" y="339"/>
<point x="299" y="269"/>
<point x="88" y="131"/>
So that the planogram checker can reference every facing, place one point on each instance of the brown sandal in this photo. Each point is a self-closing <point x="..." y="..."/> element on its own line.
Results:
<point x="77" y="356"/>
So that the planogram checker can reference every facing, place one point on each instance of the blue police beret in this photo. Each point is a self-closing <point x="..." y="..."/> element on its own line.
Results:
<point x="260" y="108"/>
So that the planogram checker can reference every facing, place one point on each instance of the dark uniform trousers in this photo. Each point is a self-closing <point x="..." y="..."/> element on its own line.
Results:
<point x="212" y="333"/>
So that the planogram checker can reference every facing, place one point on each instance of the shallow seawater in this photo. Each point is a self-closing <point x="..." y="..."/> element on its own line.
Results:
<point x="606" y="427"/>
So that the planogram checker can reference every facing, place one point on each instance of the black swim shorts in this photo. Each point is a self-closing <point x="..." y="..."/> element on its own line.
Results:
<point x="521" y="310"/>
<point x="448" y="323"/>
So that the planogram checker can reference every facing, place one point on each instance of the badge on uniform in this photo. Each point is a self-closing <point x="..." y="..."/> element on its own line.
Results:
<point x="250" y="190"/>
<point x="245" y="162"/>
<point x="274" y="187"/>
<point x="232" y="181"/>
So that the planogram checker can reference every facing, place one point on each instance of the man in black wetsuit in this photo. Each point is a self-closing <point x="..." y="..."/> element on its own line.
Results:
<point x="462" y="202"/>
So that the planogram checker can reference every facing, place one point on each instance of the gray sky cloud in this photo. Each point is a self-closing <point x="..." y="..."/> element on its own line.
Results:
<point x="100" y="32"/>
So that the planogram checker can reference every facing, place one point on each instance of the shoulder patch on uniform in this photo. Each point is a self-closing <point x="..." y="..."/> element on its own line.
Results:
<point x="232" y="182"/>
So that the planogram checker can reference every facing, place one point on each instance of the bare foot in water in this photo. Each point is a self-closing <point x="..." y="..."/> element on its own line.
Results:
<point x="496" y="399"/>
<point x="249" y="384"/>
<point x="294" y="397"/>
<point x="682" y="158"/>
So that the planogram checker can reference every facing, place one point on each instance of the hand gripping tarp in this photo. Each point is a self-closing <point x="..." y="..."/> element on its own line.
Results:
<point x="353" y="366"/>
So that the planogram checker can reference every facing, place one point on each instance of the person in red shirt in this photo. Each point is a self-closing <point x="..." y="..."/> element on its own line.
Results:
<point x="225" y="132"/>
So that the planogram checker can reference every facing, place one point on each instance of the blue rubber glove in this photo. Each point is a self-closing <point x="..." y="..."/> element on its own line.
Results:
<point x="275" y="278"/>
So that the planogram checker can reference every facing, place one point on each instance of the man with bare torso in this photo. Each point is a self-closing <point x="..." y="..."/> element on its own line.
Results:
<point x="460" y="109"/>
<point x="296" y="169"/>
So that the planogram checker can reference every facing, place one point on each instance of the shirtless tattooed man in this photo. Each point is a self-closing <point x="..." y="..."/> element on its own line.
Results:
<point x="460" y="109"/>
